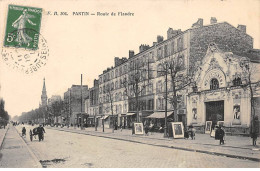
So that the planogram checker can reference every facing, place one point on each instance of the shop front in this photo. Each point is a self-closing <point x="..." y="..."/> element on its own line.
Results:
<point x="130" y="119"/>
<point x="81" y="119"/>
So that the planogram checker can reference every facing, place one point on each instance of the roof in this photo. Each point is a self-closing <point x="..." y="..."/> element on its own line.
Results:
<point x="253" y="55"/>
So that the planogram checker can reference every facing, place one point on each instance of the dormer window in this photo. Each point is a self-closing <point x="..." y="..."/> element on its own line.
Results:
<point x="214" y="84"/>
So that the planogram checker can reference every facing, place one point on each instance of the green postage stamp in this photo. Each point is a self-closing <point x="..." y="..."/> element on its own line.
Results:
<point x="23" y="27"/>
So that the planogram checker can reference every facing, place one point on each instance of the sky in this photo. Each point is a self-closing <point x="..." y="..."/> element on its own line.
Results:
<point x="88" y="44"/>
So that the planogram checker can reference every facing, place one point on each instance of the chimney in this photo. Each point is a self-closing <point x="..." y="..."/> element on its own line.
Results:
<point x="169" y="33"/>
<point x="213" y="20"/>
<point x="199" y="23"/>
<point x="242" y="28"/>
<point x="95" y="83"/>
<point x="131" y="53"/>
<point x="154" y="43"/>
<point x="159" y="39"/>
<point x="117" y="61"/>
<point x="143" y="47"/>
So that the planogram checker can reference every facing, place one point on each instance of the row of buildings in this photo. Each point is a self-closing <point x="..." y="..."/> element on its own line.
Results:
<point x="211" y="76"/>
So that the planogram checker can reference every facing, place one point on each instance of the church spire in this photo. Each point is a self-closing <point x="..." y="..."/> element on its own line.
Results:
<point x="44" y="94"/>
<point x="44" y="87"/>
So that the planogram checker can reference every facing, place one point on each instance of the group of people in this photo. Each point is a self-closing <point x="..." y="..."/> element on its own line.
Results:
<point x="190" y="132"/>
<point x="36" y="131"/>
<point x="151" y="127"/>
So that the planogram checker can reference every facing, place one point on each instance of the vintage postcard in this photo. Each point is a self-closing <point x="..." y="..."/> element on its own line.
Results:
<point x="129" y="84"/>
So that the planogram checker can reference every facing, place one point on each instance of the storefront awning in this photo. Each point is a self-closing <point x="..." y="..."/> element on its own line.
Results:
<point x="105" y="117"/>
<point x="159" y="115"/>
<point x="83" y="114"/>
<point x="130" y="114"/>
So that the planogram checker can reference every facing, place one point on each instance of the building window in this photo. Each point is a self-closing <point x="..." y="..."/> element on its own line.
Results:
<point x="237" y="81"/>
<point x="172" y="48"/>
<point x="150" y="104"/>
<point x="116" y="85"/>
<point x="119" y="96"/>
<point x="159" y="53"/>
<point x="120" y="71"/>
<point x="214" y="84"/>
<point x="112" y="86"/>
<point x="150" y="88"/>
<point x="159" y="87"/>
<point x="125" y="69"/>
<point x="112" y="74"/>
<point x="181" y="62"/>
<point x="166" y="51"/>
<point x="180" y="44"/>
<point x="160" y="70"/>
<point x="116" y="73"/>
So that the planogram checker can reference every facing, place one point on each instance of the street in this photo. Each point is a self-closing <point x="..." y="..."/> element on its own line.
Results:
<point x="67" y="150"/>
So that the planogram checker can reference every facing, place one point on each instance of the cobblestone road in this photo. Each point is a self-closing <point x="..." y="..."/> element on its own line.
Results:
<point x="77" y="150"/>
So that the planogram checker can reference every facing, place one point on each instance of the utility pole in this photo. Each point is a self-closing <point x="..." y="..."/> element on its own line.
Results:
<point x="81" y="105"/>
<point x="166" y="96"/>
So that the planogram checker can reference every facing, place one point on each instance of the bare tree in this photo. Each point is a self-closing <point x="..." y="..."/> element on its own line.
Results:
<point x="181" y="78"/>
<point x="56" y="108"/>
<point x="135" y="84"/>
<point x="251" y="82"/>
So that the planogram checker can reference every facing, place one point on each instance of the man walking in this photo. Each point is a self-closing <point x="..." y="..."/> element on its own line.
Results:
<point x="220" y="133"/>
<point x="40" y="131"/>
<point x="255" y="130"/>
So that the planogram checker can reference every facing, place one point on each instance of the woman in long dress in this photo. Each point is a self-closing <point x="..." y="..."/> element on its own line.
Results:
<point x="20" y="24"/>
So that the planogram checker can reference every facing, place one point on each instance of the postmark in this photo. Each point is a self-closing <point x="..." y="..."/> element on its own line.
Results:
<point x="21" y="21"/>
<point x="25" y="60"/>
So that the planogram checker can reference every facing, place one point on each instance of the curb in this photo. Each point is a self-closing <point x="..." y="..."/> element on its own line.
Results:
<point x="38" y="164"/>
<point x="2" y="141"/>
<point x="171" y="147"/>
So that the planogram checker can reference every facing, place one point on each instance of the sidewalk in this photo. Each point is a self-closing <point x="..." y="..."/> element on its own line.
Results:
<point x="15" y="152"/>
<point x="235" y="146"/>
<point x="2" y="135"/>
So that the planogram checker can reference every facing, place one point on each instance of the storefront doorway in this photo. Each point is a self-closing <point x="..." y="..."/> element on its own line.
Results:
<point x="215" y="111"/>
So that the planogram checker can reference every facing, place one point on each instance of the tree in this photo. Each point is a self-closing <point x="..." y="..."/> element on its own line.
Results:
<point x="4" y="117"/>
<point x="56" y="108"/>
<point x="110" y="99"/>
<point x="181" y="79"/>
<point x="251" y="82"/>
<point x="136" y="82"/>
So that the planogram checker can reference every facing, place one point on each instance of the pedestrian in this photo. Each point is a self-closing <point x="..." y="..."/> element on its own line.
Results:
<point x="121" y="127"/>
<point x="40" y="131"/>
<point x="24" y="132"/>
<point x="186" y="133"/>
<point x="254" y="138"/>
<point x="255" y="130"/>
<point x="192" y="132"/>
<point x="220" y="133"/>
<point x="146" y="129"/>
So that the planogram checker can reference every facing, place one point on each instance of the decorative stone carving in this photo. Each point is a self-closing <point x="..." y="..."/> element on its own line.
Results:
<point x="214" y="64"/>
<point x="213" y="96"/>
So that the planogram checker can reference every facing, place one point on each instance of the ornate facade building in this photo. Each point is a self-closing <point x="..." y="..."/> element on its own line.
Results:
<point x="223" y="92"/>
